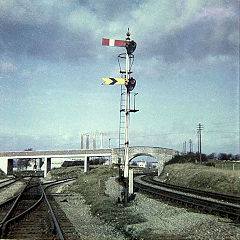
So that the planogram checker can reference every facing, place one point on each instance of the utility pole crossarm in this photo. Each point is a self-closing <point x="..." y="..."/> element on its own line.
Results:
<point x="199" y="129"/>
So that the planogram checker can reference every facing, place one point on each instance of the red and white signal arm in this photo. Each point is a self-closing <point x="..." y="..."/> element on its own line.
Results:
<point x="113" y="43"/>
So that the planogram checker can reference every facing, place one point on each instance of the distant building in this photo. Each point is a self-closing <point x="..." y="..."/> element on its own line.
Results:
<point x="107" y="163"/>
<point x="142" y="164"/>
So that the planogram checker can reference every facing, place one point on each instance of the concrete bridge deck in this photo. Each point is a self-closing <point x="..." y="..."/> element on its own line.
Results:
<point x="56" y="153"/>
<point x="162" y="155"/>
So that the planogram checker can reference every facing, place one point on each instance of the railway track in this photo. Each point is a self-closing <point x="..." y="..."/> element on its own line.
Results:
<point x="34" y="215"/>
<point x="204" y="204"/>
<point x="214" y="195"/>
<point x="7" y="182"/>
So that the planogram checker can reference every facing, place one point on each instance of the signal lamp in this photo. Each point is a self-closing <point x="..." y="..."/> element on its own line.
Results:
<point x="131" y="46"/>
<point x="131" y="84"/>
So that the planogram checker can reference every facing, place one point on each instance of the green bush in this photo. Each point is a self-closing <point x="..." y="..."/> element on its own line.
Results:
<point x="187" y="158"/>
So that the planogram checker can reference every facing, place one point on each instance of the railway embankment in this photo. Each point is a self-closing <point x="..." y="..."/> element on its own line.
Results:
<point x="11" y="191"/>
<point x="2" y="174"/>
<point x="202" y="177"/>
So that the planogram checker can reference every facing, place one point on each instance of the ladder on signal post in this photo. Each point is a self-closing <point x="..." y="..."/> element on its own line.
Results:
<point x="122" y="121"/>
<point x="122" y="118"/>
<point x="122" y="115"/>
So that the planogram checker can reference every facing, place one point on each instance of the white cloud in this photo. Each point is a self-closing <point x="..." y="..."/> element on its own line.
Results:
<point x="81" y="20"/>
<point x="34" y="12"/>
<point x="216" y="12"/>
<point x="7" y="67"/>
<point x="158" y="17"/>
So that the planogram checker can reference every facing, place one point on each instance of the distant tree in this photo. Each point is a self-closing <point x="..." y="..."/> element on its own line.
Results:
<point x="222" y="156"/>
<point x="230" y="156"/>
<point x="72" y="163"/>
<point x="187" y="158"/>
<point x="24" y="162"/>
<point x="133" y="163"/>
<point x="212" y="156"/>
<point x="98" y="161"/>
<point x="225" y="156"/>
<point x="29" y="149"/>
<point x="236" y="157"/>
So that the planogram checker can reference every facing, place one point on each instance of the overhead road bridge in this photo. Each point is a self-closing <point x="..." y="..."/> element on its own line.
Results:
<point x="162" y="155"/>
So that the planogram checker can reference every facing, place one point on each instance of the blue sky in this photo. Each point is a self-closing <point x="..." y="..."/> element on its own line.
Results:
<point x="52" y="64"/>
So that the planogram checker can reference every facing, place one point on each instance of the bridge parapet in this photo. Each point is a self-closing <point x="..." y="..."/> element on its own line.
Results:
<point x="55" y="153"/>
<point x="162" y="155"/>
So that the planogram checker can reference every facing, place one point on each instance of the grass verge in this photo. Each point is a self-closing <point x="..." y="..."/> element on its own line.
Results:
<point x="92" y="186"/>
<point x="202" y="177"/>
<point x="64" y="172"/>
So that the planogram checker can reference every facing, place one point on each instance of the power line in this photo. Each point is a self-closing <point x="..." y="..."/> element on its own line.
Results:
<point x="225" y="123"/>
<point x="217" y="131"/>
<point x="161" y="134"/>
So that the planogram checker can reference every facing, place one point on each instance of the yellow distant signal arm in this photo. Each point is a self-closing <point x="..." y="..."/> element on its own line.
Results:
<point x="115" y="81"/>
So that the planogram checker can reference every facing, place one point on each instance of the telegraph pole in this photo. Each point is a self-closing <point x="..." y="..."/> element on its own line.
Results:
<point x="199" y="129"/>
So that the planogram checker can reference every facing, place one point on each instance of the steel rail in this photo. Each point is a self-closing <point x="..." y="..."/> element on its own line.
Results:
<point x="56" y="224"/>
<point x="55" y="182"/>
<point x="6" y="221"/>
<point x="214" y="195"/>
<point x="15" y="197"/>
<point x="58" y="182"/>
<point x="210" y="206"/>
<point x="8" y="201"/>
<point x="7" y="180"/>
<point x="13" y="206"/>
<point x="16" y="218"/>
<point x="27" y="187"/>
<point x="7" y="184"/>
<point x="43" y="197"/>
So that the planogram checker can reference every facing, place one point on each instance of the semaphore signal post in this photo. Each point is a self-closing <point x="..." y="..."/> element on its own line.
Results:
<point x="130" y="83"/>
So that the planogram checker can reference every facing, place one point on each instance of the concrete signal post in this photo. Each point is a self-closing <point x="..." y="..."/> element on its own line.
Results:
<point x="129" y="82"/>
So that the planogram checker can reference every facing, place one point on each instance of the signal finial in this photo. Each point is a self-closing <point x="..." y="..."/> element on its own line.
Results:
<point x="128" y="35"/>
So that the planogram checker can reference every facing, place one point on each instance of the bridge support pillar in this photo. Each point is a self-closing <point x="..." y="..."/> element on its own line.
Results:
<point x="4" y="164"/>
<point x="39" y="163"/>
<point x="10" y="167"/>
<point x="86" y="164"/>
<point x="47" y="163"/>
<point x="160" y="168"/>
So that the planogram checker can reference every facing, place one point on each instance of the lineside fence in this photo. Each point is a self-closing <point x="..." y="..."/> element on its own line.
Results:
<point x="228" y="165"/>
